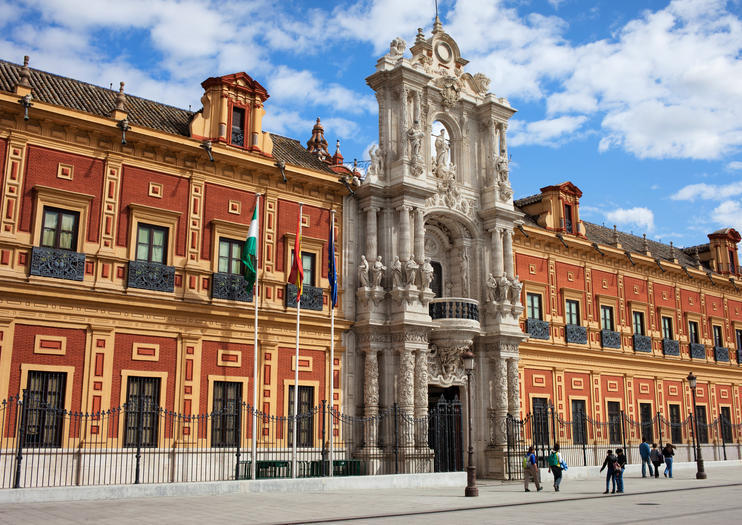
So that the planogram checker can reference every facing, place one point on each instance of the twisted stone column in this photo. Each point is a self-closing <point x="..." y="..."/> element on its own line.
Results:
<point x="371" y="396"/>
<point x="406" y="395"/>
<point x="513" y="388"/>
<point x="421" y="397"/>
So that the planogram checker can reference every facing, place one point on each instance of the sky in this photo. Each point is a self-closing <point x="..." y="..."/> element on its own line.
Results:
<point x="638" y="103"/>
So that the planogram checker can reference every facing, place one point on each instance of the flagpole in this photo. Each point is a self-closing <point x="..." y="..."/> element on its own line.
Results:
<point x="254" y="464"/>
<point x="296" y="363"/>
<point x="332" y="340"/>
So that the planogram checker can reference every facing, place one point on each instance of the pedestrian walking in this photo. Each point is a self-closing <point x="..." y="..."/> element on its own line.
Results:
<point x="655" y="455"/>
<point x="610" y="475"/>
<point x="530" y="470"/>
<point x="620" y="467"/>
<point x="644" y="452"/>
<point x="556" y="466"/>
<point x="667" y="453"/>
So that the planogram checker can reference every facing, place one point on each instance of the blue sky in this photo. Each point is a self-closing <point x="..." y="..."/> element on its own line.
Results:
<point x="638" y="103"/>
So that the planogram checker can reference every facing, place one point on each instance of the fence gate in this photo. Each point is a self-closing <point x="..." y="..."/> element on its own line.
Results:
<point x="445" y="435"/>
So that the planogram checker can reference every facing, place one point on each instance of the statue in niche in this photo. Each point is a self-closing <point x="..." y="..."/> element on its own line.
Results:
<point x="397" y="277"/>
<point x="442" y="149"/>
<point x="363" y="272"/>
<point x="397" y="48"/>
<point x="377" y="271"/>
<point x="501" y="178"/>
<point x="415" y="138"/>
<point x="514" y="290"/>
<point x="491" y="288"/>
<point x="426" y="274"/>
<point x="411" y="268"/>
<point x="502" y="289"/>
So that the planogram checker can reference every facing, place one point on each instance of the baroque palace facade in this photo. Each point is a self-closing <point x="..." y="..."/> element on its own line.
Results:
<point x="122" y="225"/>
<point x="122" y="219"/>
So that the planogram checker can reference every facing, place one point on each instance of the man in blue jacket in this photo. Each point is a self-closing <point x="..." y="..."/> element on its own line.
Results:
<point x="644" y="451"/>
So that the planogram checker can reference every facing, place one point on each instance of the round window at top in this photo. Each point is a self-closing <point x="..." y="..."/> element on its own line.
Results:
<point x="443" y="51"/>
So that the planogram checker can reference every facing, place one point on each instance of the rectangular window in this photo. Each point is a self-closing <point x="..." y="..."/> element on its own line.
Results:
<point x="638" y="323"/>
<point x="226" y="414"/>
<point x="676" y="430"/>
<point x="59" y="229"/>
<point x="230" y="252"/>
<point x="579" y="422"/>
<point x="703" y="431"/>
<point x="693" y="331"/>
<point x="646" y="416"/>
<point x="568" y="218"/>
<point x="238" y="126"/>
<point x="304" y="424"/>
<point x="43" y="403"/>
<point x="151" y="243"/>
<point x="540" y="418"/>
<point x="606" y="317"/>
<point x="732" y="266"/>
<point x="533" y="306"/>
<point x="718" y="338"/>
<point x="726" y="424"/>
<point x="666" y="327"/>
<point x="615" y="422"/>
<point x="142" y="411"/>
<point x="572" y="313"/>
<point x="307" y="262"/>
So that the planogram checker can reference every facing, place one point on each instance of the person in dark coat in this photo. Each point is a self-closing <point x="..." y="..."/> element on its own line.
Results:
<point x="656" y="456"/>
<point x="620" y="467"/>
<point x="646" y="460"/>
<point x="610" y="475"/>
<point x="668" y="452"/>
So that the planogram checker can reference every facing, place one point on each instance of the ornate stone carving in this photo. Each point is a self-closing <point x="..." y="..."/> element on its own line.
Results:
<point x="502" y="179"/>
<point x="397" y="277"/>
<point x="406" y="376"/>
<point x="465" y="272"/>
<point x="514" y="289"/>
<point x="491" y="288"/>
<point x="371" y="380"/>
<point x="414" y="141"/>
<point x="445" y="366"/>
<point x="480" y="83"/>
<point x="450" y="87"/>
<point x="376" y="168"/>
<point x="363" y="269"/>
<point x="421" y="381"/>
<point x="426" y="274"/>
<point x="410" y="269"/>
<point x="513" y="389"/>
<point x="411" y="335"/>
<point x="397" y="48"/>
<point x="377" y="272"/>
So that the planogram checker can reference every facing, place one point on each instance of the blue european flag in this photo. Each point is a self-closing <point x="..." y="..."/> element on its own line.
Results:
<point x="332" y="274"/>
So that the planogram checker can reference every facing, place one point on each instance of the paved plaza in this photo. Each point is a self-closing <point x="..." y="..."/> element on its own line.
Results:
<point x="680" y="500"/>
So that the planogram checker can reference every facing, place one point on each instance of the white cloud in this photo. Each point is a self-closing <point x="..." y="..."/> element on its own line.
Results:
<point x="705" y="191"/>
<point x="550" y="132"/>
<point x="642" y="217"/>
<point x="728" y="213"/>
<point x="734" y="165"/>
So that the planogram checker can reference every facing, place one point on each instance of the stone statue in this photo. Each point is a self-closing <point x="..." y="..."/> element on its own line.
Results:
<point x="397" y="47"/>
<point x="491" y="288"/>
<point x="397" y="273"/>
<point x="363" y="272"/>
<point x="377" y="162"/>
<point x="502" y="169"/>
<point x="465" y="273"/>
<point x="426" y="274"/>
<point x="441" y="150"/>
<point x="411" y="268"/>
<point x="514" y="290"/>
<point x="377" y="271"/>
<point x="415" y="137"/>
<point x="502" y="289"/>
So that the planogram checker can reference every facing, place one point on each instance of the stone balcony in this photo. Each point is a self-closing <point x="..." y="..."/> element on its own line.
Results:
<point x="59" y="264"/>
<point x="454" y="319"/>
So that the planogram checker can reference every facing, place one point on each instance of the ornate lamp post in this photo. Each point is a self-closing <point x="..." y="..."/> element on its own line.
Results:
<point x="701" y="473"/>
<point x="471" y="470"/>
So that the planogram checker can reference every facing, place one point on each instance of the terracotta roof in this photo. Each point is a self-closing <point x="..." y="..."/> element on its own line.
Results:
<point x="525" y="201"/>
<point x="95" y="100"/>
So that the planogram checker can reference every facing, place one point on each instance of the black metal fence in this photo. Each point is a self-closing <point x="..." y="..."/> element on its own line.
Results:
<point x="44" y="446"/>
<point x="583" y="441"/>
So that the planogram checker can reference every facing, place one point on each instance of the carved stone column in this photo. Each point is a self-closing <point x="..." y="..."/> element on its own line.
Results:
<point x="406" y="393"/>
<point x="372" y="234"/>
<point x="501" y="399"/>
<point x="503" y="141"/>
<point x="419" y="235"/>
<point x="371" y="396"/>
<point x="421" y="397"/>
<point x="404" y="233"/>
<point x="507" y="252"/>
<point x="513" y="388"/>
<point x="497" y="267"/>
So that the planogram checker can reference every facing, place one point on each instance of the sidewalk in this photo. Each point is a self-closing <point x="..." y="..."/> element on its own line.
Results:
<point x="715" y="500"/>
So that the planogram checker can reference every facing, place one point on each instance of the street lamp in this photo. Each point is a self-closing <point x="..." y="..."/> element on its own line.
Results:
<point x="471" y="471"/>
<point x="701" y="473"/>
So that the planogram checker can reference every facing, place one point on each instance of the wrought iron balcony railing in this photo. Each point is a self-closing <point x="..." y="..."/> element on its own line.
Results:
<point x="642" y="343"/>
<point x="670" y="347"/>
<point x="232" y="287"/>
<point x="697" y="351"/>
<point x="575" y="333"/>
<point x="151" y="276"/>
<point x="311" y="297"/>
<point x="454" y="308"/>
<point x="60" y="264"/>
<point x="538" y="329"/>
<point x="610" y="339"/>
<point x="721" y="354"/>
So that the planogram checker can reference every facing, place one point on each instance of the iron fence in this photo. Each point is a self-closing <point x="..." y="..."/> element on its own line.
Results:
<point x="140" y="442"/>
<point x="583" y="441"/>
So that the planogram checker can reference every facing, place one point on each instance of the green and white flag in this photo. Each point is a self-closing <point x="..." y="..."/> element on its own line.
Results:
<point x="250" y="250"/>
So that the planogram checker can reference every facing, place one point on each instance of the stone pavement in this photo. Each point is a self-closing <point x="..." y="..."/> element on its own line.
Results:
<point x="680" y="500"/>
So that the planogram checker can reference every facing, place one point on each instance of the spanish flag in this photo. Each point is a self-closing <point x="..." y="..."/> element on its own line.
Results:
<point x="297" y="270"/>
